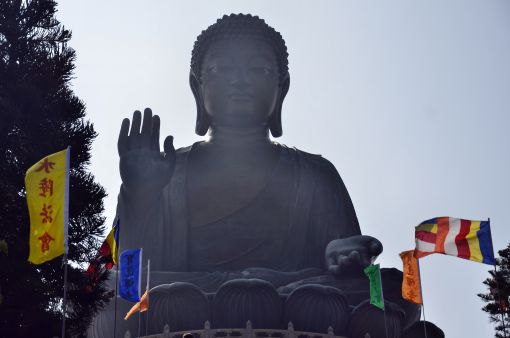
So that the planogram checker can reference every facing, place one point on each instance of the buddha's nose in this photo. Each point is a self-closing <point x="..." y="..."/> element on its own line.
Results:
<point x="240" y="78"/>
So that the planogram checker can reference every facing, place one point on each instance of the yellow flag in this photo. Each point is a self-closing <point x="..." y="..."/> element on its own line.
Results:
<point x="47" y="186"/>
<point x="411" y="287"/>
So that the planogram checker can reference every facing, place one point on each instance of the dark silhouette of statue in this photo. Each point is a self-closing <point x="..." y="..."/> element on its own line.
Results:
<point x="237" y="200"/>
<point x="245" y="221"/>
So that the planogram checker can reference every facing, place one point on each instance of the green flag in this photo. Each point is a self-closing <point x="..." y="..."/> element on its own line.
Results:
<point x="376" y="294"/>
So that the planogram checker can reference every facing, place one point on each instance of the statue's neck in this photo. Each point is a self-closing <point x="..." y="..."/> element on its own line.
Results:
<point x="239" y="138"/>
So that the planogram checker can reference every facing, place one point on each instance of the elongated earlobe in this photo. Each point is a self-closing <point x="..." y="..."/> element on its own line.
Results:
<point x="202" y="125"/>
<point x="275" y="124"/>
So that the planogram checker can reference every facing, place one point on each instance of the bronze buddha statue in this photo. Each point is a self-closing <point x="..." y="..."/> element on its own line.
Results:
<point x="239" y="206"/>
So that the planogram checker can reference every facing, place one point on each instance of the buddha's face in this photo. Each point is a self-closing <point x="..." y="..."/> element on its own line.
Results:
<point x="240" y="83"/>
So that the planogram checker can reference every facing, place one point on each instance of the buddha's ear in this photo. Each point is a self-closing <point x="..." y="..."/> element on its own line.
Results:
<point x="275" y="124"/>
<point x="202" y="125"/>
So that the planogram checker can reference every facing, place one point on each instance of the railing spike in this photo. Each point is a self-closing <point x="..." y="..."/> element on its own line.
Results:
<point x="290" y="330"/>
<point x="127" y="334"/>
<point x="207" y="329"/>
<point x="331" y="333"/>
<point x="166" y="331"/>
<point x="290" y="326"/>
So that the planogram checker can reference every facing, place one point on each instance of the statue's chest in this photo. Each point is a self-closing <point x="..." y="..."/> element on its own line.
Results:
<point x="218" y="188"/>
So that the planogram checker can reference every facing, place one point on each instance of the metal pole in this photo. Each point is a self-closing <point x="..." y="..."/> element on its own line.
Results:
<point x="66" y="237"/>
<point x="117" y="249"/>
<point x="116" y="290"/>
<point x="422" y="302"/>
<point x="497" y="287"/>
<point x="64" y="301"/>
<point x="139" y="320"/>
<point x="384" y="310"/>
<point x="140" y="289"/>
<point x="147" y="288"/>
<point x="499" y="300"/>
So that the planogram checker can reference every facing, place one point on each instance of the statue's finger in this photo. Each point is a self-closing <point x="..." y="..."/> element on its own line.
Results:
<point x="340" y="259"/>
<point x="330" y="261"/>
<point x="169" y="146"/>
<point x="376" y="247"/>
<point x="366" y="261"/>
<point x="134" y="134"/>
<point x="135" y="126"/>
<point x="354" y="257"/>
<point x="123" y="143"/>
<point x="154" y="138"/>
<point x="334" y="269"/>
<point x="146" y="126"/>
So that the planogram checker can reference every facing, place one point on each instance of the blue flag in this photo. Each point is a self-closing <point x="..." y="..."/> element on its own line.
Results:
<point x="130" y="274"/>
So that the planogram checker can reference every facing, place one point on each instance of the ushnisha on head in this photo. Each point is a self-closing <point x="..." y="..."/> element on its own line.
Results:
<point x="239" y="75"/>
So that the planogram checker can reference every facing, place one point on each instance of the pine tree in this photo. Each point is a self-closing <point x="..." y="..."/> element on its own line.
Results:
<point x="497" y="299"/>
<point x="40" y="115"/>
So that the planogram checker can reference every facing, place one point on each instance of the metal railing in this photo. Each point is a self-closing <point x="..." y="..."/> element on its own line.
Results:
<point x="247" y="332"/>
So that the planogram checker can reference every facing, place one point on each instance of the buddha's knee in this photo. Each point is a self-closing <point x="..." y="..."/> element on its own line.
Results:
<point x="423" y="329"/>
<point x="367" y="319"/>
<point x="181" y="306"/>
<point x="392" y="284"/>
<point x="240" y="300"/>
<point x="315" y="308"/>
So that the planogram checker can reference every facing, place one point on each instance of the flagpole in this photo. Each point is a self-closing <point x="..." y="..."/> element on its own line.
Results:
<point x="147" y="290"/>
<point x="139" y="317"/>
<point x="66" y="235"/>
<point x="116" y="294"/>
<point x="117" y="249"/>
<point x="499" y="299"/>
<point x="139" y="290"/>
<point x="384" y="309"/>
<point x="422" y="302"/>
<point x="497" y="286"/>
<point x="64" y="301"/>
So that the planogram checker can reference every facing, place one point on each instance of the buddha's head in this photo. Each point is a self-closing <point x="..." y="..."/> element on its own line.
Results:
<point x="239" y="75"/>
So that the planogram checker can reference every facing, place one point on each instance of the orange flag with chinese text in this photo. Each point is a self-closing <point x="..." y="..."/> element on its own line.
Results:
<point x="47" y="186"/>
<point x="142" y="305"/>
<point x="411" y="288"/>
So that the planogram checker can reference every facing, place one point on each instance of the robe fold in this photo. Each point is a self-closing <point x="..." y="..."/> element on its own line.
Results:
<point x="305" y="193"/>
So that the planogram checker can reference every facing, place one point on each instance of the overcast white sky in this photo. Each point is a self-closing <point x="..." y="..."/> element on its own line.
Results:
<point x="409" y="100"/>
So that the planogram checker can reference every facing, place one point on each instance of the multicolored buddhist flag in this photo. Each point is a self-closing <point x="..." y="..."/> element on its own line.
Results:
<point x="47" y="186"/>
<point x="130" y="274"/>
<point x="456" y="237"/>
<point x="107" y="256"/>
<point x="376" y="293"/>
<point x="411" y="285"/>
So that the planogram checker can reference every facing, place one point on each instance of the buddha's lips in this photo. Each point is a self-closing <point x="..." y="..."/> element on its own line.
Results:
<point x="240" y="97"/>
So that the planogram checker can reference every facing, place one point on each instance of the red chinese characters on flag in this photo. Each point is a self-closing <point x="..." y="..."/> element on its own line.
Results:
<point x="46" y="187"/>
<point x="45" y="241"/>
<point x="46" y="214"/>
<point x="46" y="165"/>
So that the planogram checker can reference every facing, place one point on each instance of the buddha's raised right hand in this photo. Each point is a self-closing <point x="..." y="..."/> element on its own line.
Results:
<point x="143" y="168"/>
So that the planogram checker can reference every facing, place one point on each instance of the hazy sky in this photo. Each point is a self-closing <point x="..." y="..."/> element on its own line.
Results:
<point x="409" y="100"/>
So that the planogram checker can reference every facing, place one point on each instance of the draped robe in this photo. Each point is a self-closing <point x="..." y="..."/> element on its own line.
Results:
<point x="280" y="235"/>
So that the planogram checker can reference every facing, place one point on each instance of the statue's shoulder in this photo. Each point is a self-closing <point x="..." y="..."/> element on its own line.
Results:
<point x="315" y="163"/>
<point x="183" y="151"/>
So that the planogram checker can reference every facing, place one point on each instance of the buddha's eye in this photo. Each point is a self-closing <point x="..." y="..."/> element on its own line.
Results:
<point x="219" y="69"/>
<point x="259" y="70"/>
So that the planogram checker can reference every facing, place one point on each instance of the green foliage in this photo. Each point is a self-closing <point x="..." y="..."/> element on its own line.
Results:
<point x="497" y="299"/>
<point x="39" y="115"/>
